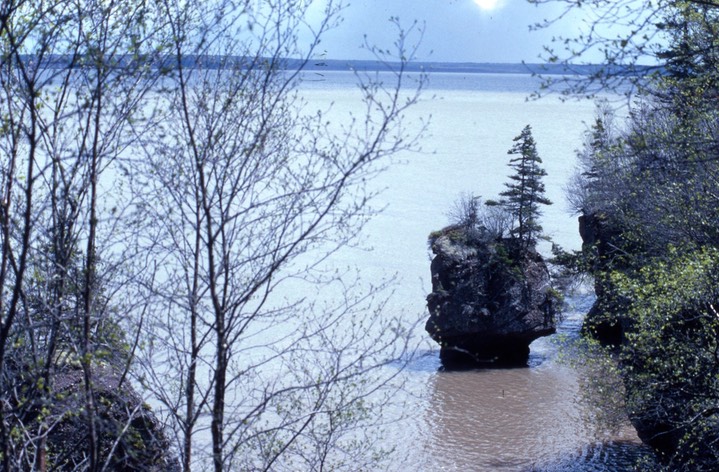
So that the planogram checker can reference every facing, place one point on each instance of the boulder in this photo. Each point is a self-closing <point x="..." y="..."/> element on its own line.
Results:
<point x="487" y="304"/>
<point x="128" y="431"/>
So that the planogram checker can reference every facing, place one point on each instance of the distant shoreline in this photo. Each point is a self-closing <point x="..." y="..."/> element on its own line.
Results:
<point x="214" y="62"/>
<point x="463" y="67"/>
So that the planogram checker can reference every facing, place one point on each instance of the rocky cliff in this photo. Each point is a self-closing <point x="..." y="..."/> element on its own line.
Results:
<point x="605" y="243"/>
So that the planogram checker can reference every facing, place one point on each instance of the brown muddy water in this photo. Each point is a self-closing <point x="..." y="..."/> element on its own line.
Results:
<point x="532" y="419"/>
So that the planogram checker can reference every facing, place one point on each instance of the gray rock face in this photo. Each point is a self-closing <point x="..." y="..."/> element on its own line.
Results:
<point x="600" y="236"/>
<point x="485" y="307"/>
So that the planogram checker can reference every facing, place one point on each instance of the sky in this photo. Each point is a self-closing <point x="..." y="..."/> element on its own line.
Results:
<point x="454" y="30"/>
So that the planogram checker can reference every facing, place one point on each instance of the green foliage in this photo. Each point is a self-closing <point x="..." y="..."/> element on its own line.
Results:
<point x="649" y="192"/>
<point x="649" y="199"/>
<point x="669" y="361"/>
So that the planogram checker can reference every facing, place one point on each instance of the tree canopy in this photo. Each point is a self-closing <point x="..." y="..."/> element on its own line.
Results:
<point x="646" y="189"/>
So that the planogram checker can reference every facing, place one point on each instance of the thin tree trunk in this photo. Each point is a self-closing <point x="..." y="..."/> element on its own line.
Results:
<point x="90" y="286"/>
<point x="7" y="323"/>
<point x="194" y="354"/>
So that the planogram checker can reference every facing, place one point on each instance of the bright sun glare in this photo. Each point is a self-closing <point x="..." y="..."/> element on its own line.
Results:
<point x="487" y="4"/>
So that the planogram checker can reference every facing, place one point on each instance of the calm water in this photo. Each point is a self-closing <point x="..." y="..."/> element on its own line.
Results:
<point x="482" y="420"/>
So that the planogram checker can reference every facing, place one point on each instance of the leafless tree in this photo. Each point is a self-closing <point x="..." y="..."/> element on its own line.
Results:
<point x="629" y="42"/>
<point x="248" y="193"/>
<point x="73" y="77"/>
<point x="164" y="187"/>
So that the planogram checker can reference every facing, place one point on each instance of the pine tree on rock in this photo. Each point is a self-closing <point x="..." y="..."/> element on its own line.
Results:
<point x="525" y="191"/>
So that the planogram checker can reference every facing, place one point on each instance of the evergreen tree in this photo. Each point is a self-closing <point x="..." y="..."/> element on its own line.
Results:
<point x="525" y="191"/>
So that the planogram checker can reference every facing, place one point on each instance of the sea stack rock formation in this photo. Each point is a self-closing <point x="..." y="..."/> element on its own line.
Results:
<point x="487" y="305"/>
